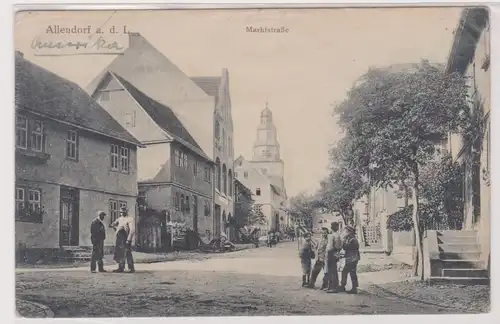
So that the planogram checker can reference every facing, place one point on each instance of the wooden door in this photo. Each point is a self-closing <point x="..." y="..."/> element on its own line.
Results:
<point x="69" y="220"/>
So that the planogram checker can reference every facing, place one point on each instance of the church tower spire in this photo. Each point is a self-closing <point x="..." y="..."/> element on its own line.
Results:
<point x="266" y="146"/>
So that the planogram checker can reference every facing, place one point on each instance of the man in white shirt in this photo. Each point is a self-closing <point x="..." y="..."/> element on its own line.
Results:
<point x="125" y="236"/>
<point x="332" y="257"/>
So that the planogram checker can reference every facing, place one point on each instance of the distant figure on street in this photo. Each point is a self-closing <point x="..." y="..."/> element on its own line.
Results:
<point x="352" y="256"/>
<point x="306" y="255"/>
<point x="320" y="260"/>
<point x="332" y="257"/>
<point x="125" y="233"/>
<point x="97" y="237"/>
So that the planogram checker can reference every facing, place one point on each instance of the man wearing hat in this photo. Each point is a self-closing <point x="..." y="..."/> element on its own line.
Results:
<point x="125" y="233"/>
<point x="97" y="237"/>
<point x="352" y="256"/>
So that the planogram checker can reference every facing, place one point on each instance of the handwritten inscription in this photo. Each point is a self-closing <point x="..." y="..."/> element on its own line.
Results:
<point x="99" y="44"/>
<point x="79" y="40"/>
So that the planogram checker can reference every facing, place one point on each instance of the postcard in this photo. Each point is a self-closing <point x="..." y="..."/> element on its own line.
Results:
<point x="241" y="162"/>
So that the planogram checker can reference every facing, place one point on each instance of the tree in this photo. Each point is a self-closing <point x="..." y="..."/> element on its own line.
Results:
<point x="401" y="116"/>
<point x="346" y="182"/>
<point x="302" y="209"/>
<point x="246" y="211"/>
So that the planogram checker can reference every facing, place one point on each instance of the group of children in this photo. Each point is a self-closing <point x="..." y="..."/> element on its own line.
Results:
<point x="331" y="248"/>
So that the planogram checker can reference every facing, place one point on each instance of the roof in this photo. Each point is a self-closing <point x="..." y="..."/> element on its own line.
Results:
<point x="45" y="93"/>
<point x="162" y="115"/>
<point x="208" y="84"/>
<point x="470" y="26"/>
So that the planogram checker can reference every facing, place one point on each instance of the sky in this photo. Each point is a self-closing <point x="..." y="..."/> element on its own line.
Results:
<point x="302" y="74"/>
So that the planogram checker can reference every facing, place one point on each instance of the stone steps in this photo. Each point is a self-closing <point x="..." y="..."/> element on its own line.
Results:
<point x="457" y="240"/>
<point x="459" y="247"/>
<point x="473" y="255"/>
<point x="465" y="273"/>
<point x="463" y="264"/>
<point x="459" y="280"/>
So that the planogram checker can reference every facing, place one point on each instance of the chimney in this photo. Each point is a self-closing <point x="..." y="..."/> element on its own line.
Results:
<point x="134" y="39"/>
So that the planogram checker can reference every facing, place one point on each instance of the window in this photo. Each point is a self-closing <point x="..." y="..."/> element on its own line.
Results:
<point x="187" y="205"/>
<point x="207" y="174"/>
<point x="257" y="191"/>
<point x="184" y="161"/>
<point x="245" y="175"/>
<point x="29" y="205"/>
<point x="19" y="200"/>
<point x="177" y="158"/>
<point x="266" y="153"/>
<point x="230" y="144"/>
<point x="207" y="208"/>
<point x="113" y="210"/>
<point x="182" y="206"/>
<point x="177" y="199"/>
<point x="130" y="119"/>
<point x="72" y="145"/>
<point x="34" y="200"/>
<point x="37" y="136"/>
<point x="124" y="159"/>
<point x="21" y="132"/>
<point x="230" y="183"/>
<point x="224" y="142"/>
<point x="181" y="159"/>
<point x="114" y="157"/>
<point x="224" y="179"/>
<point x="195" y="168"/>
<point x="104" y="96"/>
<point x="236" y="174"/>
<point x="217" y="174"/>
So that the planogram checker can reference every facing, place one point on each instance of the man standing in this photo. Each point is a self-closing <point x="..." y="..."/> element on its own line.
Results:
<point x="125" y="234"/>
<point x="97" y="237"/>
<point x="352" y="256"/>
<point x="320" y="260"/>
<point x="332" y="257"/>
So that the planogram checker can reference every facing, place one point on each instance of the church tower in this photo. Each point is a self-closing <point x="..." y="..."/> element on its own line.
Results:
<point x="266" y="146"/>
<point x="266" y="149"/>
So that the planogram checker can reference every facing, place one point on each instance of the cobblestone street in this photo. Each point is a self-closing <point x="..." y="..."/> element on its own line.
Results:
<point x="252" y="282"/>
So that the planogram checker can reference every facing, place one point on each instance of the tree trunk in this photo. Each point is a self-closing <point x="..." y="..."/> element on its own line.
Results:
<point x="416" y="225"/>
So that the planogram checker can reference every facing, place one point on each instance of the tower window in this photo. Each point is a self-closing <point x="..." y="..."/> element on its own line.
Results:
<point x="266" y="153"/>
<point x="257" y="191"/>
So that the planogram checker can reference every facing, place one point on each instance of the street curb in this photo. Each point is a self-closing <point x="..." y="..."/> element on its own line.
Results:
<point x="416" y="301"/>
<point x="47" y="311"/>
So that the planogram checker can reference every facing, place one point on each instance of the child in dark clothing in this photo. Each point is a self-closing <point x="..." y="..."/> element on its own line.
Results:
<point x="306" y="255"/>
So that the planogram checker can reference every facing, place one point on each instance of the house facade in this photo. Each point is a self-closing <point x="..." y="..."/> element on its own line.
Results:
<point x="470" y="56"/>
<point x="175" y="176"/>
<point x="264" y="173"/>
<point x="65" y="169"/>
<point x="201" y="103"/>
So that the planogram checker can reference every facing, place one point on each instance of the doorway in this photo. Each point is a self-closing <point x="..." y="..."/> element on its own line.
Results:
<point x="69" y="218"/>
